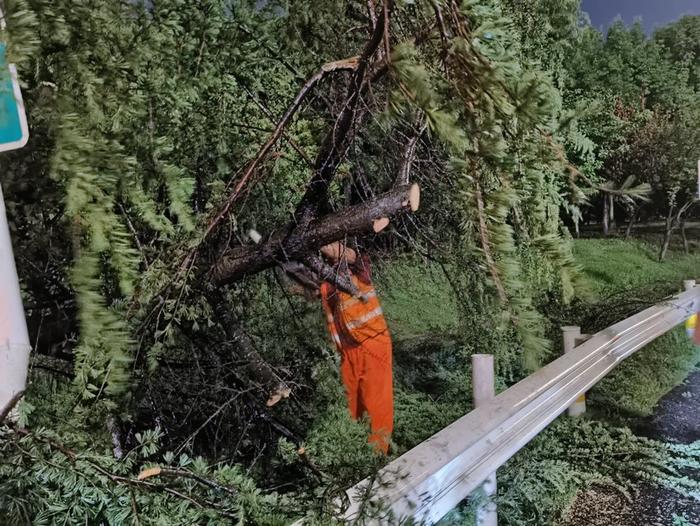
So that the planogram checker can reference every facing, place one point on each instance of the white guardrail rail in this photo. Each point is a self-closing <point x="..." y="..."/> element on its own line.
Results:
<point x="431" y="479"/>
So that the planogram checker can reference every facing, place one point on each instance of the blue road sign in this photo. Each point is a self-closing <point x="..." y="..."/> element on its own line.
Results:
<point x="14" y="132"/>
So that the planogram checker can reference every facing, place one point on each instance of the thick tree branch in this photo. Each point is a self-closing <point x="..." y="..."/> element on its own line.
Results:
<point x="251" y="167"/>
<point x="345" y="64"/>
<point x="404" y="174"/>
<point x="296" y="242"/>
<point x="328" y="273"/>
<point x="339" y="137"/>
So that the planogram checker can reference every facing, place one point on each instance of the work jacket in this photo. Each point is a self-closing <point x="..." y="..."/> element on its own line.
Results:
<point x="353" y="320"/>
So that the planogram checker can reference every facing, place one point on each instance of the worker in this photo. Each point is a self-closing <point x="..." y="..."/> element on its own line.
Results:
<point x="358" y="328"/>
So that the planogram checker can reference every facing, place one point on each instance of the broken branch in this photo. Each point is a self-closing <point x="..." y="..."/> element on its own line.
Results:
<point x="295" y="242"/>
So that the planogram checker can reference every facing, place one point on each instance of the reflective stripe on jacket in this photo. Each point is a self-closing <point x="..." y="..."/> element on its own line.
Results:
<point x="352" y="320"/>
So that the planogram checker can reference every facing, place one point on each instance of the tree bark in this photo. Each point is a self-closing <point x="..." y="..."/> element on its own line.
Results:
<point x="296" y="242"/>
<point x="630" y="224"/>
<point x="667" y="235"/>
<point x="686" y="247"/>
<point x="611" y="209"/>
<point x="606" y="215"/>
<point x="116" y="434"/>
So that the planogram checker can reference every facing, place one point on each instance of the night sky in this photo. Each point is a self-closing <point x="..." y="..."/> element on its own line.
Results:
<point x="654" y="13"/>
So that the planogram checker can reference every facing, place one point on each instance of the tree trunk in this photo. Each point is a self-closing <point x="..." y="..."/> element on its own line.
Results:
<point x="611" y="210"/>
<point x="341" y="135"/>
<point x="630" y="224"/>
<point x="606" y="215"/>
<point x="297" y="242"/>
<point x="667" y="235"/>
<point x="686" y="247"/>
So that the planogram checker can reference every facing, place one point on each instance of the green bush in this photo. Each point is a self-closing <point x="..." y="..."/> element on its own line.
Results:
<point x="538" y="484"/>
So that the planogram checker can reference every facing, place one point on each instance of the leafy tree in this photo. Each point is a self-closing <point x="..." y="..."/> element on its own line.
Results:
<point x="680" y="41"/>
<point x="634" y="88"/>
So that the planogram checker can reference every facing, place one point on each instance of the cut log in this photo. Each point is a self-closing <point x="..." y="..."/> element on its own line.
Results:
<point x="380" y="224"/>
<point x="297" y="242"/>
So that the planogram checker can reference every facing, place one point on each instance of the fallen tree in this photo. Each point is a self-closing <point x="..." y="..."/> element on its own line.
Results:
<point x="295" y="242"/>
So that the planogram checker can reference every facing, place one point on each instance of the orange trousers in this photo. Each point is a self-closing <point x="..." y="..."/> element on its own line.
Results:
<point x="366" y="371"/>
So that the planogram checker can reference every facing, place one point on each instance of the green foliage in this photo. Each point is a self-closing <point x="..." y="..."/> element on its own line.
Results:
<point x="680" y="41"/>
<point x="494" y="130"/>
<point x="44" y="482"/>
<point x="679" y="520"/>
<point x="642" y="100"/>
<point x="538" y="483"/>
<point x="142" y="115"/>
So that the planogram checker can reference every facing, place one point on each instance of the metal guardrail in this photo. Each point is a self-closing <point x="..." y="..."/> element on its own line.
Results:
<point x="431" y="479"/>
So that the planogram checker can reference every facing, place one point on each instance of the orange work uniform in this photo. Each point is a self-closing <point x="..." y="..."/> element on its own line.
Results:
<point x="361" y="335"/>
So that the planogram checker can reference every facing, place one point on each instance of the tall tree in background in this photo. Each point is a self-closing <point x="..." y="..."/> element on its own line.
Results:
<point x="641" y="99"/>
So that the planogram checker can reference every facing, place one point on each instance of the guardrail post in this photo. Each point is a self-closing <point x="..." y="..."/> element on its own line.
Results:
<point x="570" y="335"/>
<point x="484" y="390"/>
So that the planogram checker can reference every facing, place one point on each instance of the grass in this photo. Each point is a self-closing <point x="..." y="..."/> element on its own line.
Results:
<point x="614" y="265"/>
<point x="417" y="298"/>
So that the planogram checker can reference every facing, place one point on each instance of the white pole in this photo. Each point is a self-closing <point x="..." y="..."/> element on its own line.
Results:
<point x="484" y="389"/>
<point x="569" y="336"/>
<point x="14" y="339"/>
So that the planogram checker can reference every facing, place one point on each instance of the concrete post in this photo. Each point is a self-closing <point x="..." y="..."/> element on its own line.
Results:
<point x="570" y="335"/>
<point x="484" y="390"/>
<point x="14" y="339"/>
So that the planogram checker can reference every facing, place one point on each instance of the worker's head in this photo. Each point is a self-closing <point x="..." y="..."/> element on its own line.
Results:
<point x="333" y="252"/>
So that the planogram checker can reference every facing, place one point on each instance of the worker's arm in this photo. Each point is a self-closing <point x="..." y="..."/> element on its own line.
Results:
<point x="338" y="250"/>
